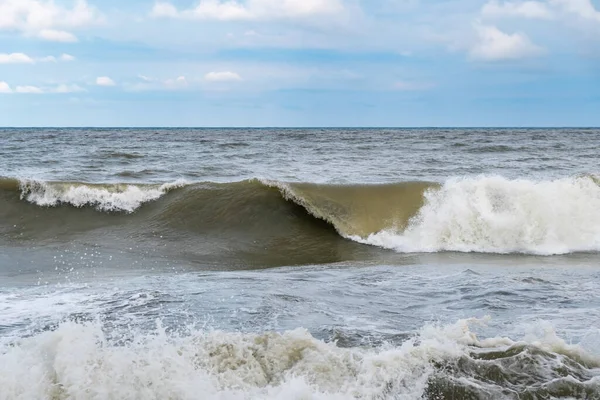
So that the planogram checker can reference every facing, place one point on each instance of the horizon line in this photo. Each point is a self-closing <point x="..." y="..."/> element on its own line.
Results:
<point x="299" y="127"/>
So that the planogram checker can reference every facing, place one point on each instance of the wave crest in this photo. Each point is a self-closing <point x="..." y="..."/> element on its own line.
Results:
<point x="115" y="197"/>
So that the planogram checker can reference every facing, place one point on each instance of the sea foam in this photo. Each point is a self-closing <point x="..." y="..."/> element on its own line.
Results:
<point x="79" y="361"/>
<point x="117" y="197"/>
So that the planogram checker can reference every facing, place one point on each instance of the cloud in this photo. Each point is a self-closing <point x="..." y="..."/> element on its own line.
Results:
<point x="22" y="58"/>
<point x="223" y="76"/>
<point x="166" y="10"/>
<point x="582" y="8"/>
<point x="495" y="45"/>
<point x="29" y="90"/>
<point x="146" y="83"/>
<point x="46" y="19"/>
<point x="232" y="10"/>
<point x="52" y="35"/>
<point x="104" y="81"/>
<point x="68" y="89"/>
<point x="48" y="59"/>
<point x="525" y="9"/>
<point x="149" y="84"/>
<point x="179" y="82"/>
<point x="145" y="78"/>
<point x="15" y="58"/>
<point x="548" y="9"/>
<point x="4" y="87"/>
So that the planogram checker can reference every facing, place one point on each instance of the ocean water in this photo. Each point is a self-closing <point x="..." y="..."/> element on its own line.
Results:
<point x="299" y="264"/>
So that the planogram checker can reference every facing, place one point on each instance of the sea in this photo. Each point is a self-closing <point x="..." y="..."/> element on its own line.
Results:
<point x="299" y="264"/>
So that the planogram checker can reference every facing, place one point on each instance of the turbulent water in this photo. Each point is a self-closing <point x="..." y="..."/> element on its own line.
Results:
<point x="299" y="264"/>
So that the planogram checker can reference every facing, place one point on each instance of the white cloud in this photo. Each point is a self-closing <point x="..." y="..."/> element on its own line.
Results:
<point x="541" y="9"/>
<point x="68" y="89"/>
<point x="67" y="57"/>
<point x="53" y="35"/>
<point x="22" y="58"/>
<point x="105" y="81"/>
<point x="149" y="83"/>
<point x="178" y="83"/>
<point x="525" y="9"/>
<point x="231" y="10"/>
<point x="182" y="82"/>
<point x="161" y="9"/>
<point x="29" y="90"/>
<point x="4" y="87"/>
<point x="48" y="59"/>
<point x="45" y="18"/>
<point x="581" y="8"/>
<point x="15" y="58"/>
<point x="495" y="45"/>
<point x="222" y="76"/>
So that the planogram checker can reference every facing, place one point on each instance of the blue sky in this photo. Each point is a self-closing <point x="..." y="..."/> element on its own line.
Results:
<point x="300" y="63"/>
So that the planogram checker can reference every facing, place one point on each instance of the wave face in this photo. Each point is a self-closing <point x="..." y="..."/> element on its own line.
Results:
<point x="488" y="214"/>
<point x="358" y="210"/>
<point x="79" y="361"/>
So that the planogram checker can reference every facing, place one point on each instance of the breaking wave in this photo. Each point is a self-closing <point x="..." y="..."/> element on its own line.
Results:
<point x="488" y="214"/>
<point x="497" y="215"/>
<point x="79" y="361"/>
<point x="116" y="197"/>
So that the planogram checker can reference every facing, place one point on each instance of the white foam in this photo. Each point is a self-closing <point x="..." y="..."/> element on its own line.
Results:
<point x="77" y="361"/>
<point x="543" y="335"/>
<point x="103" y="197"/>
<point x="497" y="215"/>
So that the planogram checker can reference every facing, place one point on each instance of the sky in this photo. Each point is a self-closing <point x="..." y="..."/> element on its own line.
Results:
<point x="238" y="63"/>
